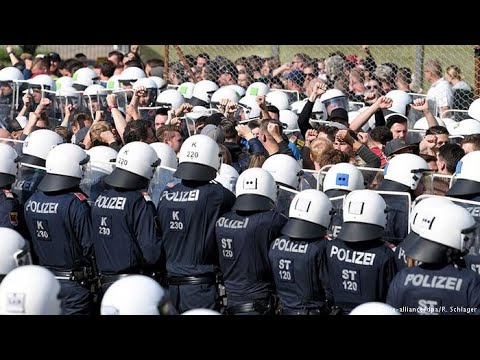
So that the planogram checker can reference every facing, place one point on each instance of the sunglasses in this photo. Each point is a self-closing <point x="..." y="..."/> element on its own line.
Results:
<point x="371" y="87"/>
<point x="309" y="75"/>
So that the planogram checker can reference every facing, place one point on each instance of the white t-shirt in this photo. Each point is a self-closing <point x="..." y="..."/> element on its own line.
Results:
<point x="441" y="94"/>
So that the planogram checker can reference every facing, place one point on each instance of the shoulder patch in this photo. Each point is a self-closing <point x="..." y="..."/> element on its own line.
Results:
<point x="8" y="194"/>
<point x="80" y="196"/>
<point x="146" y="196"/>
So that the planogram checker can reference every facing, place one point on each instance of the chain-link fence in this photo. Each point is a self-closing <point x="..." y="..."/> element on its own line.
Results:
<point x="272" y="64"/>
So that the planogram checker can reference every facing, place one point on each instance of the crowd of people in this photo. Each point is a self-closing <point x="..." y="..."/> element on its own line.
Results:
<point x="322" y="186"/>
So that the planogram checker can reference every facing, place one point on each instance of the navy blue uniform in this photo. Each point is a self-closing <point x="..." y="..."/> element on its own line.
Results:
<point x="11" y="213"/>
<point x="300" y="273"/>
<point x="400" y="257"/>
<point x="60" y="228"/>
<point x="243" y="240"/>
<point x="435" y="289"/>
<point x="27" y="183"/>
<point x="359" y="272"/>
<point x="337" y="219"/>
<point x="124" y="234"/>
<point x="284" y="200"/>
<point x="187" y="213"/>
<point x="397" y="218"/>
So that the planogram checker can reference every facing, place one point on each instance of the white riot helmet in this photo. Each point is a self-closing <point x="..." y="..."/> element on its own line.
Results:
<point x="8" y="165"/>
<point x="364" y="216"/>
<point x="13" y="251"/>
<point x="170" y="98"/>
<point x="136" y="295"/>
<point x="439" y="230"/>
<point x="83" y="78"/>
<point x="474" y="110"/>
<point x="201" y="312"/>
<point x="186" y="89"/>
<point x="289" y="118"/>
<point x="166" y="154"/>
<point x="400" y="101"/>
<point x="250" y="107"/>
<point x="319" y="112"/>
<point x="403" y="169"/>
<point x="199" y="159"/>
<point x="64" y="81"/>
<point x="256" y="191"/>
<point x="202" y="92"/>
<point x="467" y="176"/>
<point x="465" y="127"/>
<point x="68" y="91"/>
<point x="240" y="90"/>
<point x="424" y="206"/>
<point x="161" y="83"/>
<point x="257" y="89"/>
<point x="102" y="158"/>
<point x="30" y="290"/>
<point x="113" y="83"/>
<point x="130" y="75"/>
<point x="95" y="89"/>
<point x="38" y="144"/>
<point x="224" y="93"/>
<point x="42" y="81"/>
<point x="333" y="99"/>
<point x="279" y="99"/>
<point x="341" y="179"/>
<point x="135" y="166"/>
<point x="422" y="123"/>
<point x="298" y="106"/>
<point x="11" y="73"/>
<point x="309" y="215"/>
<point x="285" y="170"/>
<point x="65" y="168"/>
<point x="227" y="176"/>
<point x="374" y="308"/>
<point x="147" y="83"/>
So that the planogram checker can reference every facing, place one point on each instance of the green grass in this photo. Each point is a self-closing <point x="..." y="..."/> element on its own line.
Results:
<point x="402" y="55"/>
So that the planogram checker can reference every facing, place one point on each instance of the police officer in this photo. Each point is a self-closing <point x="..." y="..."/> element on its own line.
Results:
<point x="440" y="285"/>
<point x="429" y="202"/>
<point x="298" y="257"/>
<point x="340" y="180"/>
<point x="287" y="173"/>
<point x="244" y="236"/>
<point x="466" y="186"/>
<point x="35" y="149"/>
<point x="14" y="251"/>
<point x="11" y="212"/>
<point x="402" y="174"/>
<point x="360" y="265"/>
<point x="187" y="213"/>
<point x="102" y="163"/>
<point x="123" y="217"/>
<point x="58" y="218"/>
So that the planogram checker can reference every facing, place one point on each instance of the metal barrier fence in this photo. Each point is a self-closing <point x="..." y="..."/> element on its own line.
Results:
<point x="457" y="62"/>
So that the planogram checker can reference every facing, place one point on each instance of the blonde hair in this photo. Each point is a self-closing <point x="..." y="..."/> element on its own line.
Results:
<point x="319" y="147"/>
<point x="97" y="128"/>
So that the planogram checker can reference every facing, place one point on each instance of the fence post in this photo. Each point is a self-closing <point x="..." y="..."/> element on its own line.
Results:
<point x="419" y="55"/>
<point x="476" y="72"/>
<point x="165" y="60"/>
<point x="276" y="52"/>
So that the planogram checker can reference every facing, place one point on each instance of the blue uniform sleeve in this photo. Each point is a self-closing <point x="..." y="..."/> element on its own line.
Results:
<point x="145" y="231"/>
<point x="323" y="273"/>
<point x="81" y="222"/>
<point x="389" y="271"/>
<point x="228" y="201"/>
<point x="393" y="293"/>
<point x="474" y="295"/>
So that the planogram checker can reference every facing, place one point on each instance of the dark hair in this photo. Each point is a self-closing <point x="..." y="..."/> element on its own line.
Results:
<point x="451" y="154"/>
<point x="381" y="134"/>
<point x="473" y="139"/>
<point x="395" y="119"/>
<point x="166" y="132"/>
<point x="116" y="53"/>
<point x="253" y="124"/>
<point x="204" y="55"/>
<point x="154" y="62"/>
<point x="136" y="131"/>
<point x="437" y="130"/>
<point x="107" y="68"/>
